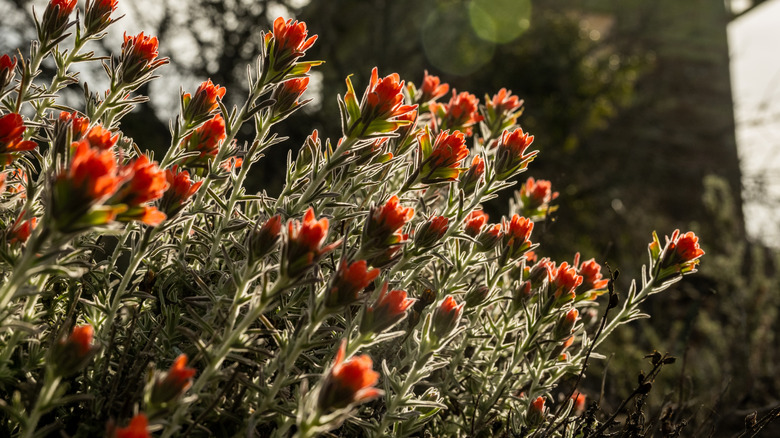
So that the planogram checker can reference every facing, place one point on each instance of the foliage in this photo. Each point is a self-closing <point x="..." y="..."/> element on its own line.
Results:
<point x="371" y="297"/>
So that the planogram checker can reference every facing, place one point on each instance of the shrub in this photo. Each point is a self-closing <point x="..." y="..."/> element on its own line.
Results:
<point x="371" y="297"/>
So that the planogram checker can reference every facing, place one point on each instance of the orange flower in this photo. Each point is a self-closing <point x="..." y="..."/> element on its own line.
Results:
<point x="139" y="58"/>
<point x="441" y="161"/>
<point x="431" y="89"/>
<point x="592" y="280"/>
<point x="384" y="223"/>
<point x="474" y="222"/>
<point x="177" y="380"/>
<point x="503" y="102"/>
<point x="680" y="255"/>
<point x="79" y="126"/>
<point x="517" y="232"/>
<point x="461" y="113"/>
<point x="348" y="383"/>
<point x="136" y="428"/>
<point x="381" y="109"/>
<point x="347" y="283"/>
<point x="578" y="399"/>
<point x="446" y="317"/>
<point x="304" y="241"/>
<point x="206" y="139"/>
<point x="204" y="102"/>
<point x="180" y="190"/>
<point x="564" y="281"/>
<point x="536" y="194"/>
<point x="98" y="15"/>
<point x="98" y="136"/>
<point x="285" y="45"/>
<point x="384" y="98"/>
<point x="145" y="182"/>
<point x="92" y="172"/>
<point x="388" y="310"/>
<point x="12" y="143"/>
<point x="511" y="157"/>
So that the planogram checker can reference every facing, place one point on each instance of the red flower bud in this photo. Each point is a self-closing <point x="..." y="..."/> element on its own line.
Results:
<point x="381" y="110"/>
<point x="441" y="161"/>
<point x="348" y="281"/>
<point x="79" y="126"/>
<point x="206" y="140"/>
<point x="431" y="89"/>
<point x="536" y="413"/>
<point x="204" y="102"/>
<point x="55" y="20"/>
<point x="264" y="239"/>
<point x="286" y="96"/>
<point x="97" y="136"/>
<point x="180" y="190"/>
<point x="680" y="255"/>
<point x="565" y="324"/>
<point x="490" y="237"/>
<point x="286" y="44"/>
<point x="348" y="383"/>
<point x="517" y="232"/>
<point x="136" y="428"/>
<point x="303" y="244"/>
<point x="139" y="58"/>
<point x="90" y="178"/>
<point x="474" y="222"/>
<point x="177" y="380"/>
<point x="469" y="180"/>
<point x="460" y="114"/>
<point x="72" y="353"/>
<point x="564" y="281"/>
<point x="144" y="182"/>
<point x="12" y="142"/>
<point x="20" y="230"/>
<point x="383" y="224"/>
<point x="388" y="310"/>
<point x="446" y="317"/>
<point x="7" y="71"/>
<point x="511" y="157"/>
<point x="591" y="277"/>
<point x="431" y="232"/>
<point x="98" y="15"/>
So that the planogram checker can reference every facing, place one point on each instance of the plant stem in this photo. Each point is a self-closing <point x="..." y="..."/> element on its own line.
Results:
<point x="45" y="397"/>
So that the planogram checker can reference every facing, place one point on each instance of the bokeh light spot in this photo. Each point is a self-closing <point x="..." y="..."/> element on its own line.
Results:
<point x="499" y="21"/>
<point x="450" y="43"/>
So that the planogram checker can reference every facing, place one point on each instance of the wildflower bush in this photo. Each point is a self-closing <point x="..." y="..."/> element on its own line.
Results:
<point x="372" y="297"/>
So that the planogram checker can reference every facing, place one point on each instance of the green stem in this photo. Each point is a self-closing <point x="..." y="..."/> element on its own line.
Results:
<point x="20" y="272"/>
<point x="319" y="177"/>
<point x="45" y="397"/>
<point x="138" y="254"/>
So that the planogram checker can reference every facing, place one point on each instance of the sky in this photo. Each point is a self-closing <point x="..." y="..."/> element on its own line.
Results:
<point x="755" y="77"/>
